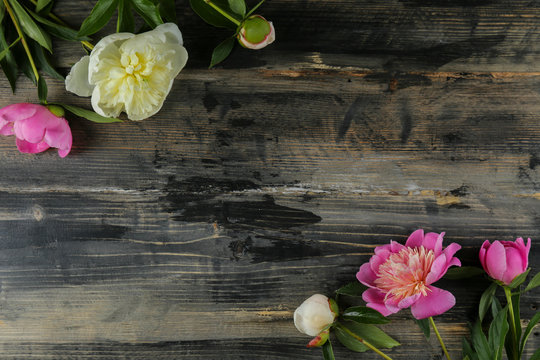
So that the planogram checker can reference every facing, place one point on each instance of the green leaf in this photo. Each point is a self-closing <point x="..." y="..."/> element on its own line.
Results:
<point x="41" y="4"/>
<point x="535" y="282"/>
<point x="99" y="17"/>
<point x="88" y="114"/>
<point x="497" y="333"/>
<point x="8" y="63"/>
<point x="126" y="21"/>
<point x="42" y="90"/>
<point x="167" y="10"/>
<point x="495" y="307"/>
<point x="349" y="341"/>
<point x="238" y="7"/>
<point x="352" y="289"/>
<point x="221" y="51"/>
<point x="43" y="62"/>
<point x="211" y="16"/>
<point x="536" y="355"/>
<point x="29" y="27"/>
<point x="148" y="11"/>
<point x="328" y="352"/>
<point x="364" y="315"/>
<point x="6" y="51"/>
<point x="2" y="11"/>
<point x="520" y="279"/>
<point x="424" y="326"/>
<point x="23" y="63"/>
<point x="480" y="342"/>
<point x="371" y="334"/>
<point x="528" y="331"/>
<point x="468" y="350"/>
<point x="463" y="272"/>
<point x="485" y="300"/>
<point x="60" y="31"/>
<point x="254" y="8"/>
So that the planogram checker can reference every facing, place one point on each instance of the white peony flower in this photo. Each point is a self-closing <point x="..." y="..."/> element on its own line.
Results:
<point x="130" y="73"/>
<point x="314" y="315"/>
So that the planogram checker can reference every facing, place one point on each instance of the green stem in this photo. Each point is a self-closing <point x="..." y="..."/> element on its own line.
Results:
<point x="222" y="12"/>
<point x="508" y="294"/>
<point x="439" y="338"/>
<point x="59" y="21"/>
<point x="23" y="40"/>
<point x="365" y="342"/>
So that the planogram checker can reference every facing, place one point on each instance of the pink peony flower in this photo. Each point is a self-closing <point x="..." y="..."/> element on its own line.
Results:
<point x="401" y="276"/>
<point x="504" y="260"/>
<point x="36" y="128"/>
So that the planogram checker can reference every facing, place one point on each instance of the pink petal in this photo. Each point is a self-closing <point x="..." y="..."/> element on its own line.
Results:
<point x="31" y="148"/>
<point x="383" y="248"/>
<point x="451" y="249"/>
<point x="482" y="254"/>
<point x="366" y="276"/>
<point x="396" y="247"/>
<point x="438" y="269"/>
<point x="31" y="129"/>
<point x="436" y="302"/>
<point x="375" y="300"/>
<point x="378" y="259"/>
<point x="15" y="112"/>
<point x="415" y="239"/>
<point x="408" y="301"/>
<point x="514" y="265"/>
<point x="58" y="135"/>
<point x="6" y="127"/>
<point x="430" y="241"/>
<point x="496" y="260"/>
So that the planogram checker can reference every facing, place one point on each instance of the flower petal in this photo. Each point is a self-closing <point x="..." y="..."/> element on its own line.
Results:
<point x="436" y="302"/>
<point x="408" y="301"/>
<point x="496" y="260"/>
<point x="438" y="269"/>
<point x="396" y="247"/>
<point x="366" y="276"/>
<point x="31" y="148"/>
<point x="482" y="253"/>
<point x="375" y="300"/>
<point x="15" y="112"/>
<point x="77" y="79"/>
<point x="58" y="135"/>
<point x="514" y="265"/>
<point x="415" y="239"/>
<point x="433" y="241"/>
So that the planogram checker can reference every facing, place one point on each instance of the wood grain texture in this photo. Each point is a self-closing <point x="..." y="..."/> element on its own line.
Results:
<point x="196" y="233"/>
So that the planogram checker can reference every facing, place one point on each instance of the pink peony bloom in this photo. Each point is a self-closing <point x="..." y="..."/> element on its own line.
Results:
<point x="401" y="276"/>
<point x="36" y="128"/>
<point x="504" y="260"/>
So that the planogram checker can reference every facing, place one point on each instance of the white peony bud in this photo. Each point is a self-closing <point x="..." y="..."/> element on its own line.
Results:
<point x="314" y="315"/>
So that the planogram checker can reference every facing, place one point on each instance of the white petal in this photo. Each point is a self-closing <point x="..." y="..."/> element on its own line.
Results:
<point x="108" y="44"/>
<point x="172" y="33"/>
<point x="77" y="79"/>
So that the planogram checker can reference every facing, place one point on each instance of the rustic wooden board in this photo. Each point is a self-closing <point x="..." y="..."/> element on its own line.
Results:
<point x="195" y="234"/>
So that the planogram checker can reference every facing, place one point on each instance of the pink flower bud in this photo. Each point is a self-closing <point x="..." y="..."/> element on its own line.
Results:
<point x="36" y="128"/>
<point x="504" y="260"/>
<point x="256" y="33"/>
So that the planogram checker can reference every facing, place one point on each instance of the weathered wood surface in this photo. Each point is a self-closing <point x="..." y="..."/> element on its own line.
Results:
<point x="195" y="234"/>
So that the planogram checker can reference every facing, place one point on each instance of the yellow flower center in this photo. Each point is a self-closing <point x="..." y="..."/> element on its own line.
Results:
<point x="404" y="273"/>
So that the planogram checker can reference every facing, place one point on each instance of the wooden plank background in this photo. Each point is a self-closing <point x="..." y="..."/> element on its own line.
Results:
<point x="196" y="233"/>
